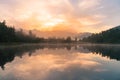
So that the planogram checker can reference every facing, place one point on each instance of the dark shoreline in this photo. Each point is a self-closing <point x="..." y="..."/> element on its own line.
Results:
<point x="54" y="44"/>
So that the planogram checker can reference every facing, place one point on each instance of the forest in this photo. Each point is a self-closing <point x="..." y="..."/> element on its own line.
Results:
<point x="9" y="34"/>
<point x="109" y="36"/>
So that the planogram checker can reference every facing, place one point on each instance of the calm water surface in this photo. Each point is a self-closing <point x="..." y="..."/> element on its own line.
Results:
<point x="60" y="62"/>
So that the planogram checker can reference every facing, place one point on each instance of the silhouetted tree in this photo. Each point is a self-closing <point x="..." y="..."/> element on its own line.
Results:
<point x="68" y="39"/>
<point x="9" y="34"/>
<point x="109" y="36"/>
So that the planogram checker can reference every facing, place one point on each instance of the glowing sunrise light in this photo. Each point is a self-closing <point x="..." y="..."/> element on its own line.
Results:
<point x="62" y="15"/>
<point x="53" y="22"/>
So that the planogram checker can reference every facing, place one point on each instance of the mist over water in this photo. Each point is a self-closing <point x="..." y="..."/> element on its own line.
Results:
<point x="60" y="62"/>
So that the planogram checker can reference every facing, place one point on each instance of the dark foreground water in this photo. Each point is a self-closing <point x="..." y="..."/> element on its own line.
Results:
<point x="60" y="62"/>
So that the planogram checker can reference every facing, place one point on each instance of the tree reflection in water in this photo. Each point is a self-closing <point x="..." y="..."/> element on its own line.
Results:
<point x="8" y="54"/>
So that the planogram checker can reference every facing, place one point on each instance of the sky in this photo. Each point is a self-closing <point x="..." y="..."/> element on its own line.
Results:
<point x="61" y="15"/>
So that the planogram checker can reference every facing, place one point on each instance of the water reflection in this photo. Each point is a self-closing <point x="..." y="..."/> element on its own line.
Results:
<point x="109" y="51"/>
<point x="8" y="53"/>
<point x="59" y="62"/>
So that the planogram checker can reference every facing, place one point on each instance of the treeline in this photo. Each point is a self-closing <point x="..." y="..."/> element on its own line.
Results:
<point x="59" y="40"/>
<point x="9" y="34"/>
<point x="109" y="36"/>
<point x="111" y="52"/>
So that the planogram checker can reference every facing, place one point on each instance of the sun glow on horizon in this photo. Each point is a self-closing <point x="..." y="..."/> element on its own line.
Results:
<point x="52" y="23"/>
<point x="72" y="15"/>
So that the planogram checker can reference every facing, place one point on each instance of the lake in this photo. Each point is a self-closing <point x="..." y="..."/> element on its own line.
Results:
<point x="60" y="62"/>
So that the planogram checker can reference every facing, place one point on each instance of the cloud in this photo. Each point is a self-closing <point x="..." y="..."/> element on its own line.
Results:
<point x="85" y="4"/>
<point x="52" y="61"/>
<point x="51" y="14"/>
<point x="92" y="20"/>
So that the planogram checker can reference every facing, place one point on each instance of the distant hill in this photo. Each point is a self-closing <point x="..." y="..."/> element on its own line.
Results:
<point x="84" y="35"/>
<point x="60" y="34"/>
<point x="109" y="36"/>
<point x="57" y="34"/>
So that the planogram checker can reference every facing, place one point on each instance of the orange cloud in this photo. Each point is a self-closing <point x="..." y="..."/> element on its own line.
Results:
<point x="53" y="15"/>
